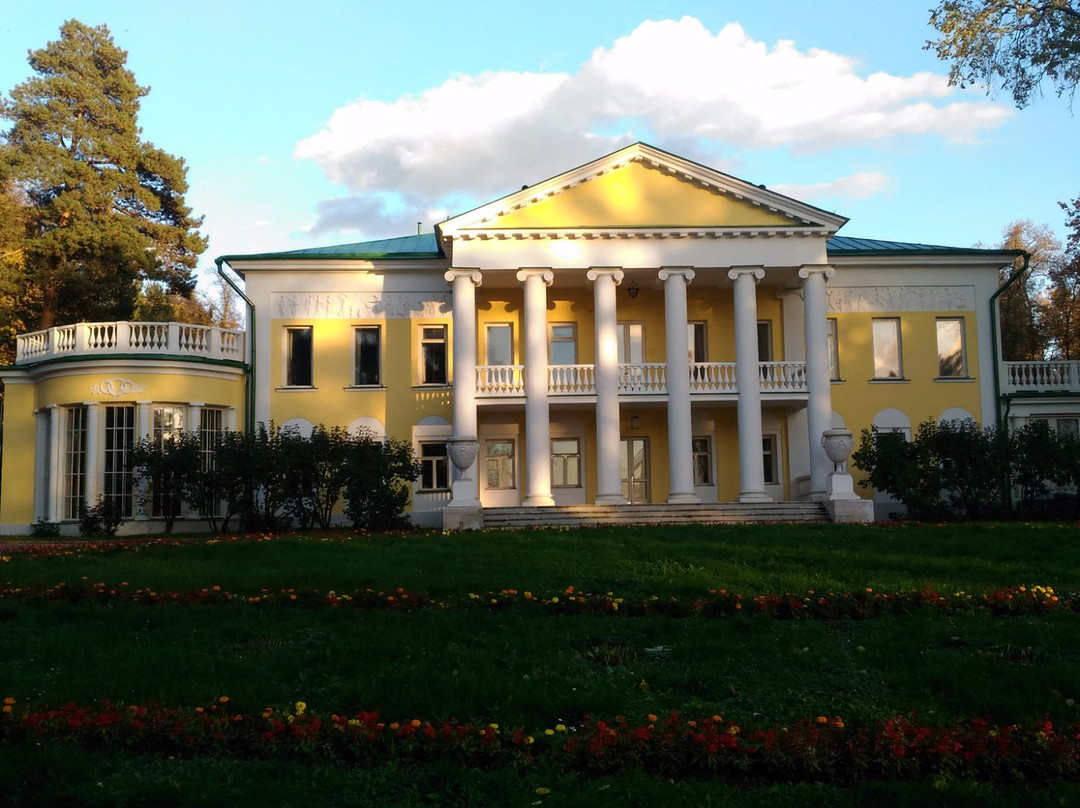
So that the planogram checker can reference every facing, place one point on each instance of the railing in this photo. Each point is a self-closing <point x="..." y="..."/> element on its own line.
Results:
<point x="1042" y="377"/>
<point x="500" y="381"/>
<point x="150" y="339"/>
<point x="782" y="377"/>
<point x="706" y="378"/>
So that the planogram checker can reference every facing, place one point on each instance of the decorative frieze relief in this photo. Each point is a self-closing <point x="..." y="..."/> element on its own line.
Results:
<point x="361" y="305"/>
<point x="116" y="387"/>
<point x="846" y="299"/>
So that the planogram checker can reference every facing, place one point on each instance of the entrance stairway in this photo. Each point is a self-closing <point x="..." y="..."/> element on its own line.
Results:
<point x="714" y="514"/>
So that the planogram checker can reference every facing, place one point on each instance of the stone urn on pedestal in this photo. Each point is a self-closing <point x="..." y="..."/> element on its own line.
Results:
<point x="838" y="444"/>
<point x="462" y="452"/>
<point x="841" y="501"/>
<point x="464" y="511"/>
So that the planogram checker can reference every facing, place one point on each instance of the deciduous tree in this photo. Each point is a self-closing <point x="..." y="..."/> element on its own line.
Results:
<point x="105" y="209"/>
<point x="1013" y="45"/>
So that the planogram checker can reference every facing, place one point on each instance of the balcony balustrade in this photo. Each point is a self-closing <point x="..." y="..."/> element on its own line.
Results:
<point x="643" y="379"/>
<point x="1041" y="377"/>
<point x="129" y="338"/>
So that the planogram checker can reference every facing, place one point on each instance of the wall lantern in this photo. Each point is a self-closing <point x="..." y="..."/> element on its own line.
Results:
<point x="632" y="289"/>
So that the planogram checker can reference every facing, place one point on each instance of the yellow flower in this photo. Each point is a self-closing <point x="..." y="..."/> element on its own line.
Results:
<point x="300" y="707"/>
<point x="560" y="727"/>
<point x="542" y="791"/>
<point x="549" y="732"/>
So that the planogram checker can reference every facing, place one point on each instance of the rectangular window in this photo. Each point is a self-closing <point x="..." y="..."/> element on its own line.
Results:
<point x="764" y="341"/>
<point x="298" y="369"/>
<point x="833" y="342"/>
<point x="74" y="461"/>
<point x="565" y="463"/>
<point x="562" y="341"/>
<point x="367" y="353"/>
<point x="118" y="476"/>
<point x="433" y="354"/>
<point x="696" y="341"/>
<point x="701" y="450"/>
<point x="631" y="338"/>
<point x="770" y="460"/>
<point x="1068" y="427"/>
<point x="887" y="349"/>
<point x="500" y="344"/>
<point x="499" y="462"/>
<point x="950" y="348"/>
<point x="434" y="467"/>
<point x="211" y="430"/>
<point x="168" y="426"/>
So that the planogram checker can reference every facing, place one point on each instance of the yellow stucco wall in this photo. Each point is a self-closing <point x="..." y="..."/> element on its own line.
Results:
<point x="399" y="403"/>
<point x="20" y="437"/>
<point x="636" y="195"/>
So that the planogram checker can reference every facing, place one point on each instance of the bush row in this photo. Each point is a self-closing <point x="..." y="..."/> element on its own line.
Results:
<point x="274" y="479"/>
<point x="957" y="469"/>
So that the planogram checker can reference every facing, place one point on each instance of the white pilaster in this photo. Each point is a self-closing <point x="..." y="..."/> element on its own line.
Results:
<point x="56" y="466"/>
<point x="747" y="379"/>
<point x="143" y="429"/>
<point x="818" y="384"/>
<point x="680" y="438"/>
<point x="464" y="282"/>
<point x="537" y="425"/>
<point x="93" y="454"/>
<point x="608" y="477"/>
<point x="42" y="476"/>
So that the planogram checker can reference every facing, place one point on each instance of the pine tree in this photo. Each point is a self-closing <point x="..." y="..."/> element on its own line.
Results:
<point x="105" y="210"/>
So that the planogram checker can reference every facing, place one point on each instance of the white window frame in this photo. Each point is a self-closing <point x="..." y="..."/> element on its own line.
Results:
<point x="571" y="340"/>
<point x="504" y="465"/>
<point x="500" y="328"/>
<point x="358" y="352"/>
<point x="885" y="343"/>
<point x="942" y="357"/>
<point x="563" y="462"/>
<point x="437" y="336"/>
<point x="293" y="375"/>
<point x="631" y="342"/>
<point x="832" y="340"/>
<point x="433" y="466"/>
<point x="701" y="447"/>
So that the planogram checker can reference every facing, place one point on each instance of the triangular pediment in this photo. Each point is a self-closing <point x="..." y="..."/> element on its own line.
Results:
<point x="641" y="189"/>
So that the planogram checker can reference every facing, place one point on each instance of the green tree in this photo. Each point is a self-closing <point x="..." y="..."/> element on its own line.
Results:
<point x="105" y="209"/>
<point x="1011" y="44"/>
<point x="1060" y="309"/>
<point x="168" y="467"/>
<point x="1022" y="334"/>
<point x="377" y="478"/>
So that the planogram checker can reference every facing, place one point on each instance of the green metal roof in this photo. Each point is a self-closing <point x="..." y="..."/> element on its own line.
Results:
<point x="424" y="245"/>
<point x="850" y="245"/>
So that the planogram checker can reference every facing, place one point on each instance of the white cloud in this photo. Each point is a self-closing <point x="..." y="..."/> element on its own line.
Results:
<point x="673" y="83"/>
<point x="857" y="186"/>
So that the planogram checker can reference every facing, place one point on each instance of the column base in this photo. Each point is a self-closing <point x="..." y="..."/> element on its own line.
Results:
<point x="755" y="496"/>
<point x="538" y="501"/>
<point x="457" y="517"/>
<point x="850" y="510"/>
<point x="683" y="499"/>
<point x="463" y="494"/>
<point x="610" y="499"/>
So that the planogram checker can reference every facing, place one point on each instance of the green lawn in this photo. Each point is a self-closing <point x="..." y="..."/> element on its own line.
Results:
<point x="523" y="665"/>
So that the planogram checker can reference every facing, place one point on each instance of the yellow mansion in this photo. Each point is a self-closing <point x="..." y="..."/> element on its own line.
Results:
<point x="640" y="329"/>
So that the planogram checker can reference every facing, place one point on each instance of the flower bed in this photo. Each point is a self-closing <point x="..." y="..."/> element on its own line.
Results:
<point x="862" y="604"/>
<point x="820" y="749"/>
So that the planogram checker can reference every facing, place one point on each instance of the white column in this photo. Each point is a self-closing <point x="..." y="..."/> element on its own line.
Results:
<point x="464" y="282"/>
<point x="680" y="437"/>
<point x="93" y="454"/>
<point x="143" y="429"/>
<point x="818" y="384"/>
<point x="53" y="506"/>
<point x="608" y="477"/>
<point x="537" y="426"/>
<point x="42" y="460"/>
<point x="747" y="379"/>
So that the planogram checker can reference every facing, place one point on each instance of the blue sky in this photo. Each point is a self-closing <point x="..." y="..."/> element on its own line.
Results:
<point x="328" y="122"/>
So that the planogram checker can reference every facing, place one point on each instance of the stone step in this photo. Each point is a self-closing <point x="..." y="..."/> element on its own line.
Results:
<point x="584" y="515"/>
